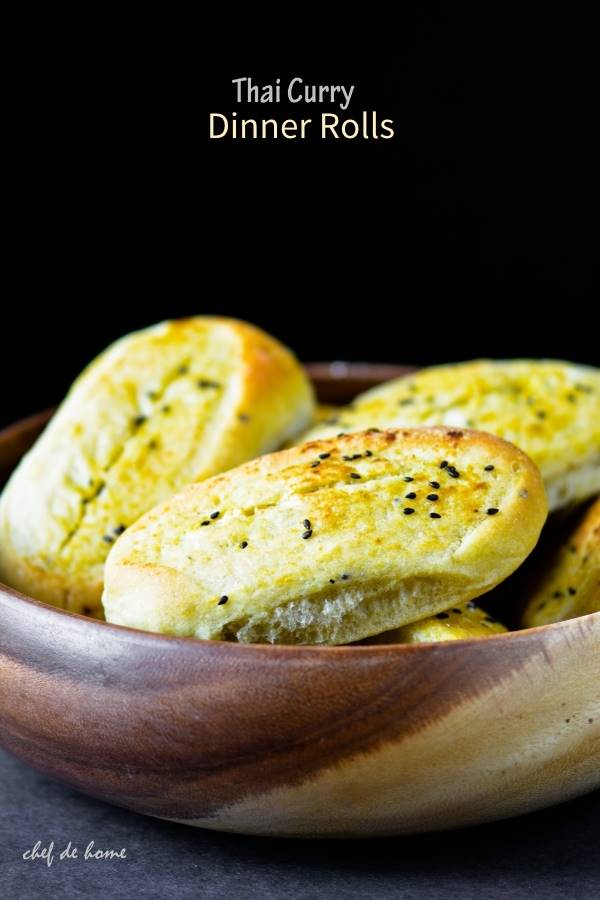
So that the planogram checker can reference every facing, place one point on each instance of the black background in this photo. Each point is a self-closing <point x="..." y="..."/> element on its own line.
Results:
<point x="471" y="233"/>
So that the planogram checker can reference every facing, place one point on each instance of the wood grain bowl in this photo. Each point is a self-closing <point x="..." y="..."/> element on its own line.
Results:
<point x="300" y="741"/>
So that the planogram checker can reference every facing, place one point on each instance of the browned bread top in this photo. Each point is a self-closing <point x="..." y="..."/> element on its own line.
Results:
<point x="331" y="541"/>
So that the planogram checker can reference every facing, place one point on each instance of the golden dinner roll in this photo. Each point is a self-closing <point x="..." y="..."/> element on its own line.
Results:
<point x="455" y="624"/>
<point x="571" y="587"/>
<point x="168" y="405"/>
<point x="549" y="409"/>
<point x="323" y="412"/>
<point x="326" y="414"/>
<point x="331" y="541"/>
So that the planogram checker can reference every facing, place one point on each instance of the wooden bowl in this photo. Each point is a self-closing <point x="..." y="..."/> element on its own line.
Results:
<point x="305" y="741"/>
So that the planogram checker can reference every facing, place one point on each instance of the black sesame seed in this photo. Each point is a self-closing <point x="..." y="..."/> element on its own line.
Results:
<point x="354" y="475"/>
<point x="341" y="433"/>
<point x="243" y="545"/>
<point x="488" y="468"/>
<point x="356" y="456"/>
<point x="215" y="515"/>
<point x="557" y="594"/>
<point x="408" y="510"/>
<point x="316" y="463"/>
<point x="223" y="600"/>
<point x="108" y="538"/>
<point x="434" y="484"/>
<point x="442" y="616"/>
<point x="444" y="464"/>
<point x="451" y="470"/>
<point x="306" y="523"/>
<point x="332" y="581"/>
<point x="205" y="383"/>
<point x="307" y="534"/>
<point x="345" y="577"/>
<point x="139" y="420"/>
<point x="410" y="496"/>
<point x="492" y="511"/>
<point x="432" y="497"/>
<point x="457" y="611"/>
<point x="572" y="591"/>
<point x="346" y="458"/>
<point x="324" y="455"/>
<point x="408" y="478"/>
<point x="434" y="516"/>
<point x="119" y="529"/>
<point x="206" y="522"/>
<point x="367" y="453"/>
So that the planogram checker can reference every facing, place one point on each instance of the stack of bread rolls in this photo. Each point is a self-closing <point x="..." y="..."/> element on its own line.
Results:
<point x="159" y="498"/>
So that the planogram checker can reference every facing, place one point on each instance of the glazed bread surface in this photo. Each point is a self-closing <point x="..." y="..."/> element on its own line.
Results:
<point x="571" y="587"/>
<point x="323" y="413"/>
<point x="326" y="413"/>
<point x="455" y="624"/>
<point x="172" y="404"/>
<point x="550" y="409"/>
<point x="331" y="541"/>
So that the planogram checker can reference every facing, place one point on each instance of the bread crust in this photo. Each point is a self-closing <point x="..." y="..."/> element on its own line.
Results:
<point x="548" y="408"/>
<point x="571" y="587"/>
<point x="458" y="623"/>
<point x="158" y="409"/>
<point x="331" y="541"/>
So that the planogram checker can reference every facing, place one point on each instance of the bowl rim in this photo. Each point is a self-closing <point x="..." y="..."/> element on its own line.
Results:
<point x="318" y="370"/>
<point x="16" y="598"/>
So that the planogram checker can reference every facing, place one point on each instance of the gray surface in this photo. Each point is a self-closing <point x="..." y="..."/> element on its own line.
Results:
<point x="550" y="854"/>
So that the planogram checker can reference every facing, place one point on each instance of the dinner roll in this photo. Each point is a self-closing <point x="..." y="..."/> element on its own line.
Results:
<point x="168" y="405"/>
<point x="549" y="409"/>
<point x="455" y="624"/>
<point x="331" y="541"/>
<point x="323" y="412"/>
<point x="571" y="587"/>
<point x="326" y="413"/>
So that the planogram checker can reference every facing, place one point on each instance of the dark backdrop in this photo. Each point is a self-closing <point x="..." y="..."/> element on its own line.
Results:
<point x="471" y="233"/>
